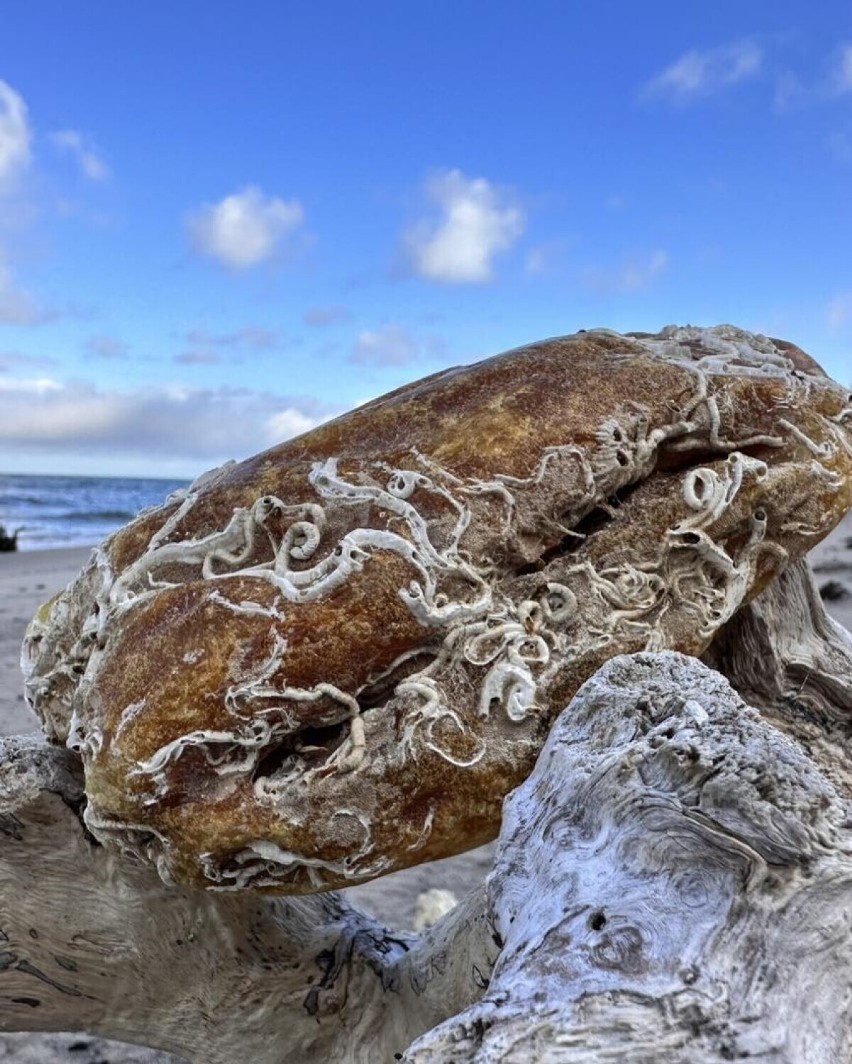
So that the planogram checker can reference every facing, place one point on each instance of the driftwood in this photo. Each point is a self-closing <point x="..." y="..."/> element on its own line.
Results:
<point x="672" y="883"/>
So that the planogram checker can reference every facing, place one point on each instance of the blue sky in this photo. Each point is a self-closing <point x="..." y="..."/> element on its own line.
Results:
<point x="221" y="225"/>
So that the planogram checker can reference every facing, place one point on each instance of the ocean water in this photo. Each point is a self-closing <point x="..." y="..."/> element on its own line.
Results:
<point x="74" y="511"/>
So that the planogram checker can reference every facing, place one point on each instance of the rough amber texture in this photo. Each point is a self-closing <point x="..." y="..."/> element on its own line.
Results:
<point x="336" y="658"/>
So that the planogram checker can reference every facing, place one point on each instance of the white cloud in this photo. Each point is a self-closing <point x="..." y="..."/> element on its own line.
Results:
<point x="244" y="229"/>
<point x="288" y="423"/>
<point x="389" y="346"/>
<point x="15" y="135"/>
<point x="840" y="310"/>
<point x="192" y="425"/>
<point x="84" y="151"/>
<point x="633" y="276"/>
<point x="475" y="225"/>
<point x="701" y="73"/>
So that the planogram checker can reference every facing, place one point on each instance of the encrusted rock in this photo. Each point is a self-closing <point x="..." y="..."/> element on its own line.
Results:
<point x="336" y="658"/>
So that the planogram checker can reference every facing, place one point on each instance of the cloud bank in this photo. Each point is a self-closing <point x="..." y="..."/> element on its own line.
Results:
<point x="197" y="426"/>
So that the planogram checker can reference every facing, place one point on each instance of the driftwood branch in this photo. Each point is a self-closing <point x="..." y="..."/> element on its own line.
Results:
<point x="92" y="940"/>
<point x="673" y="882"/>
<point x="786" y="656"/>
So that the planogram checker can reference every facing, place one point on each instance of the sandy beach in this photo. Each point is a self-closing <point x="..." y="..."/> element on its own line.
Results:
<point x="29" y="578"/>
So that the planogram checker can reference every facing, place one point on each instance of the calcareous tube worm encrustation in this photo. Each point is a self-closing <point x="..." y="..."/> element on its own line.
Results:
<point x="336" y="658"/>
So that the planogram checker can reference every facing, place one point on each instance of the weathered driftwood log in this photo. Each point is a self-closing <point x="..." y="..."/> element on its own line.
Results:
<point x="92" y="940"/>
<point x="673" y="882"/>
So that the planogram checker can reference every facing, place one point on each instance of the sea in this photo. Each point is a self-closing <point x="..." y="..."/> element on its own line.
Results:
<point x="54" y="511"/>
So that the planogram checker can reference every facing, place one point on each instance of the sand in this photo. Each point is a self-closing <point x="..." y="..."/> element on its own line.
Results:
<point x="29" y="578"/>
